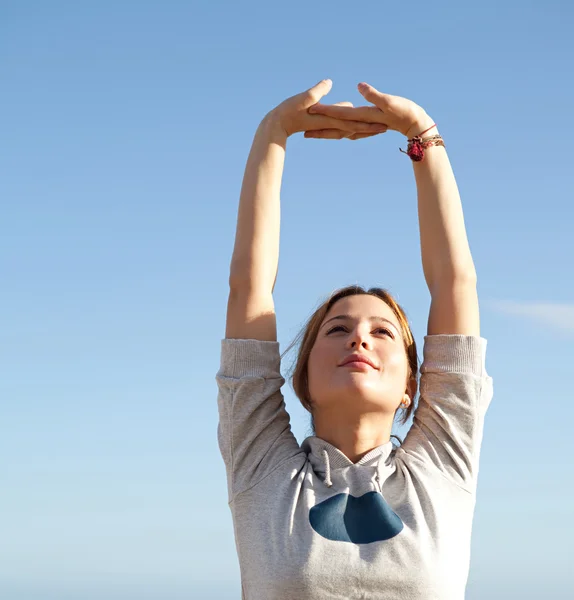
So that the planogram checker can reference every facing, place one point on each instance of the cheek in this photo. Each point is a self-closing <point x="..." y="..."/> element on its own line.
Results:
<point x="397" y="362"/>
<point x="318" y="365"/>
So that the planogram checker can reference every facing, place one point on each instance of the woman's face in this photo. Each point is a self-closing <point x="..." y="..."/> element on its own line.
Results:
<point x="372" y="330"/>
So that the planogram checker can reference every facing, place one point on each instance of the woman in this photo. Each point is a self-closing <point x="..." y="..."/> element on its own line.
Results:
<point x="346" y="514"/>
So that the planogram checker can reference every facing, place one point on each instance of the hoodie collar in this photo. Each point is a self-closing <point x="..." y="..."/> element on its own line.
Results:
<point x="324" y="457"/>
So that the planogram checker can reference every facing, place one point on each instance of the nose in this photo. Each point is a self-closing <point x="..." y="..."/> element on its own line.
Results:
<point x="358" y="338"/>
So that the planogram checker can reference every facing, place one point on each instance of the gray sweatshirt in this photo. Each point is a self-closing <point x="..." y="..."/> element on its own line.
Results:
<point x="312" y="525"/>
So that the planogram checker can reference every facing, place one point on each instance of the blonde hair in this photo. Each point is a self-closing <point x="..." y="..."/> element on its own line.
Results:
<point x="297" y="374"/>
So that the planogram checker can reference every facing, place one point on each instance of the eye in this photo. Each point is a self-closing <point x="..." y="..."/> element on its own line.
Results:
<point x="385" y="330"/>
<point x="335" y="329"/>
<point x="341" y="327"/>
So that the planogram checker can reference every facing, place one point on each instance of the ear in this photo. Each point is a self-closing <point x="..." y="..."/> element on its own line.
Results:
<point x="412" y="388"/>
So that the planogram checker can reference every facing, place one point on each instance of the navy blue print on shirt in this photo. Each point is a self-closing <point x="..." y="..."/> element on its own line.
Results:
<point x="345" y="518"/>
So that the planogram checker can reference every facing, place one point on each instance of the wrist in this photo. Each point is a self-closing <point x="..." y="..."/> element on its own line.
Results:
<point x="422" y="122"/>
<point x="272" y="126"/>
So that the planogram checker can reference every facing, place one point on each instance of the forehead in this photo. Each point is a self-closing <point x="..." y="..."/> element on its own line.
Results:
<point x="363" y="306"/>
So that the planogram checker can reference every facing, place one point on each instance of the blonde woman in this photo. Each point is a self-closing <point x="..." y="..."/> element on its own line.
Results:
<point x="347" y="514"/>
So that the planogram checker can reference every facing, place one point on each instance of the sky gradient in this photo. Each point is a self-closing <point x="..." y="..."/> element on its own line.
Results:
<point x="125" y="132"/>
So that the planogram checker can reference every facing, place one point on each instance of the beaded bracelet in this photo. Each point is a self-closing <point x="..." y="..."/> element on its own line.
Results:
<point x="417" y="145"/>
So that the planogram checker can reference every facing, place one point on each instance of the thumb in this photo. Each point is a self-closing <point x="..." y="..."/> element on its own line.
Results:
<point x="315" y="93"/>
<point x="373" y="95"/>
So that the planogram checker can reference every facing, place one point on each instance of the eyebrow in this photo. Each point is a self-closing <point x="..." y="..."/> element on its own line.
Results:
<point x="349" y="317"/>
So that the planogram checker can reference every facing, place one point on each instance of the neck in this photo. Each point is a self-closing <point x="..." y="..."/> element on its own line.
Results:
<point x="356" y="438"/>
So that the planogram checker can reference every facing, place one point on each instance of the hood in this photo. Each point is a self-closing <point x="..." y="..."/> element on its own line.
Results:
<point x="326" y="458"/>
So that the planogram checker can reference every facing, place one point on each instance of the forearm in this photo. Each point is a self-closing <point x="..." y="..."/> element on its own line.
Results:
<point x="256" y="253"/>
<point x="445" y="250"/>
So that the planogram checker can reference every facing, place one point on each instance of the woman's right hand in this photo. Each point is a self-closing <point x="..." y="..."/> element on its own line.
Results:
<point x="292" y="116"/>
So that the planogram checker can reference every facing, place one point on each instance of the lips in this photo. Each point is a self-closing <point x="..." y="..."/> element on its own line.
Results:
<point x="358" y="358"/>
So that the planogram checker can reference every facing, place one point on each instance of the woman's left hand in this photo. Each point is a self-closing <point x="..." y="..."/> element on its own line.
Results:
<point x="399" y="114"/>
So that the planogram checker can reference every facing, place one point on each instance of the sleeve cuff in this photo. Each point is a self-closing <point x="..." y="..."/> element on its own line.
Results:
<point x="253" y="358"/>
<point x="454" y="353"/>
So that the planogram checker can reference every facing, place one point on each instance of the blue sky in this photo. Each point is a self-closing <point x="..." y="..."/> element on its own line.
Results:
<point x="125" y="131"/>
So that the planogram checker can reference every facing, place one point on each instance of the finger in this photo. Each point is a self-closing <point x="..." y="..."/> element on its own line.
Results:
<point x="374" y="96"/>
<point x="317" y="122"/>
<point x="367" y="114"/>
<point x="328" y="134"/>
<point x="337" y="134"/>
<point x="356" y="126"/>
<point x="360" y="136"/>
<point x="314" y="94"/>
<point x="346" y="104"/>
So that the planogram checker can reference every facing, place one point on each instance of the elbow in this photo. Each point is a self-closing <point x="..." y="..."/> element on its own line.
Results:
<point x="454" y="277"/>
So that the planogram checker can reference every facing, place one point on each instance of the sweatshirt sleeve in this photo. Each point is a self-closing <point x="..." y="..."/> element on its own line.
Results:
<point x="455" y="392"/>
<point x="254" y="431"/>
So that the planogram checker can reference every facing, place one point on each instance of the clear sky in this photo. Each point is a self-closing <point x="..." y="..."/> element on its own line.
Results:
<point x="125" y="128"/>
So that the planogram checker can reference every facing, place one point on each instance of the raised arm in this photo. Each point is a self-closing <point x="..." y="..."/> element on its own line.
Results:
<point x="447" y="261"/>
<point x="254" y="264"/>
<point x="253" y="271"/>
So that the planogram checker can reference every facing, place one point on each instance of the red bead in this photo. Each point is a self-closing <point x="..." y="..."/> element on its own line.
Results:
<point x="416" y="151"/>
